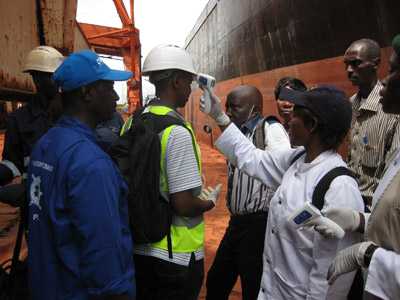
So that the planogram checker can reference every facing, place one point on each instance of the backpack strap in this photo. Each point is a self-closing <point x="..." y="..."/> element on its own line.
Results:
<point x="159" y="122"/>
<point x="259" y="132"/>
<point x="271" y="120"/>
<point x="318" y="197"/>
<point x="297" y="156"/>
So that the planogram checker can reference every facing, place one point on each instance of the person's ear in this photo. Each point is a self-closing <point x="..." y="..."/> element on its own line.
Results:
<point x="376" y="61"/>
<point x="87" y="93"/>
<point x="175" y="81"/>
<point x="313" y="125"/>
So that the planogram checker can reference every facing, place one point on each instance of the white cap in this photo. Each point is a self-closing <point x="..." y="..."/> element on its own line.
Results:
<point x="44" y="59"/>
<point x="167" y="57"/>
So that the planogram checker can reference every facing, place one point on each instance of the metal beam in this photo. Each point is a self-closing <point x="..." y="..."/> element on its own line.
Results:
<point x="132" y="12"/>
<point x="123" y="14"/>
<point x="109" y="33"/>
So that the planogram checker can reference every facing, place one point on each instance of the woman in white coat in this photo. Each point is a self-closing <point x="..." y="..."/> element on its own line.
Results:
<point x="295" y="262"/>
<point x="380" y="253"/>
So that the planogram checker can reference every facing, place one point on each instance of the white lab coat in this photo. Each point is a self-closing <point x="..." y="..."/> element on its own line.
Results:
<point x="383" y="278"/>
<point x="295" y="262"/>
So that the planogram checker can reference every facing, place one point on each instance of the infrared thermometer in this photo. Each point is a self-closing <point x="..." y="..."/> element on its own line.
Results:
<point x="308" y="213"/>
<point x="208" y="83"/>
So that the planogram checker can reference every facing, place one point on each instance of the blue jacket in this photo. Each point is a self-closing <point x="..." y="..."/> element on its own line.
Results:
<point x="80" y="244"/>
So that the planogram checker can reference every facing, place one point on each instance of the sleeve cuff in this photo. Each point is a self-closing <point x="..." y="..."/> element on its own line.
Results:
<point x="122" y="286"/>
<point x="229" y="138"/>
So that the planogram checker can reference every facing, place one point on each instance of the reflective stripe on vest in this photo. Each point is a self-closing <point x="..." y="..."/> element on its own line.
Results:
<point x="187" y="234"/>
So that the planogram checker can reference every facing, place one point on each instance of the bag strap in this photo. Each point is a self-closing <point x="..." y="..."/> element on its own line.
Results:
<point x="318" y="197"/>
<point x="259" y="132"/>
<point x="297" y="156"/>
<point x="17" y="247"/>
<point x="159" y="122"/>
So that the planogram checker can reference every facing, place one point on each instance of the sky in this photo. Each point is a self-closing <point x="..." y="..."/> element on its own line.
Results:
<point x="159" y="22"/>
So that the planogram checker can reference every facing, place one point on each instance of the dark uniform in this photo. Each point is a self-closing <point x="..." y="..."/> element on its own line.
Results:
<point x="24" y="128"/>
<point x="108" y="131"/>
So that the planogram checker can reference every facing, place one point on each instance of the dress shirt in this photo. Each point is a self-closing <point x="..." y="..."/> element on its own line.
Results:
<point x="374" y="138"/>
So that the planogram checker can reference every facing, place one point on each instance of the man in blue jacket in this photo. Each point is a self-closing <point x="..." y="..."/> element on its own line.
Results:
<point x="80" y="244"/>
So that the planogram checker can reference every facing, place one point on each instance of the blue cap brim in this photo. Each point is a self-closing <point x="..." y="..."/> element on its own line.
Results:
<point x="295" y="97"/>
<point x="117" y="75"/>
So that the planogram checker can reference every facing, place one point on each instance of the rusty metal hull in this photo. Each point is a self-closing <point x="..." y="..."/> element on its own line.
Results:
<point x="257" y="42"/>
<point x="235" y="38"/>
<point x="20" y="33"/>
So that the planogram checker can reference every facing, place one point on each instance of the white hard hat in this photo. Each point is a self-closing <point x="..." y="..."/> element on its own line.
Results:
<point x="44" y="59"/>
<point x="167" y="57"/>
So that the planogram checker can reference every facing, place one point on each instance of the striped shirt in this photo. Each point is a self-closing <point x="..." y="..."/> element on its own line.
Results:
<point x="247" y="195"/>
<point x="183" y="175"/>
<point x="374" y="138"/>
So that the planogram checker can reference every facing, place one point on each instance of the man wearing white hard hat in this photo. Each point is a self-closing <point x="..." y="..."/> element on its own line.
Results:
<point x="26" y="125"/>
<point x="173" y="267"/>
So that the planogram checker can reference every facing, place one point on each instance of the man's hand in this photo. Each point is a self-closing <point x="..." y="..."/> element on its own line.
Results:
<point x="348" y="260"/>
<point x="211" y="194"/>
<point x="216" y="111"/>
<point x="348" y="219"/>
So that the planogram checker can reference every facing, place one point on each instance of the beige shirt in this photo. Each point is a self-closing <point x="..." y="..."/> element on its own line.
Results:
<point x="384" y="222"/>
<point x="374" y="137"/>
<point x="383" y="229"/>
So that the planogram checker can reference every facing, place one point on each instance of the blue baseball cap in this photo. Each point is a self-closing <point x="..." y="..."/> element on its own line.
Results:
<point x="84" y="67"/>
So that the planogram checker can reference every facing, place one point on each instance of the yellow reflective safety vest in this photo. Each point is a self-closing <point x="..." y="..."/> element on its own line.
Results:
<point x="187" y="234"/>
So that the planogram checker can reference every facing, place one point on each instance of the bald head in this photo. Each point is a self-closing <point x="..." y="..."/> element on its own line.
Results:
<point x="367" y="48"/>
<point x="248" y="94"/>
<point x="243" y="102"/>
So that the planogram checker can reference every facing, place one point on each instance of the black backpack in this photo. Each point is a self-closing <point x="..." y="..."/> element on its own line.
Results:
<point x="137" y="153"/>
<point x="318" y="197"/>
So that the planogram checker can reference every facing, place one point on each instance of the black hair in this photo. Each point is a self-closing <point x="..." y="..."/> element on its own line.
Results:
<point x="330" y="137"/>
<point x="292" y="82"/>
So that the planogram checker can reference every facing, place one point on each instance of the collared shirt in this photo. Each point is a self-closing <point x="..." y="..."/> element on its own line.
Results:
<point x="374" y="137"/>
<point x="79" y="239"/>
<point x="295" y="262"/>
<point x="383" y="278"/>
<point x="247" y="195"/>
<point x="24" y="128"/>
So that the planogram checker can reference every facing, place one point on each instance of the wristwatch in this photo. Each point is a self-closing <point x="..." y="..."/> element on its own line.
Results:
<point x="368" y="254"/>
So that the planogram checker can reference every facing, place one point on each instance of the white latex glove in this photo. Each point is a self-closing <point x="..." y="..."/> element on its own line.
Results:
<point x="348" y="260"/>
<point x="326" y="227"/>
<point x="211" y="194"/>
<point x="216" y="111"/>
<point x="346" y="218"/>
